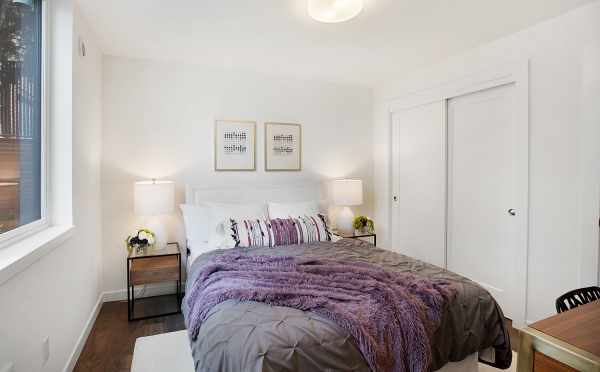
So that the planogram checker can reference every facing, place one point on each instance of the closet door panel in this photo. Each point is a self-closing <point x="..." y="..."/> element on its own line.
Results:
<point x="419" y="182"/>
<point x="483" y="211"/>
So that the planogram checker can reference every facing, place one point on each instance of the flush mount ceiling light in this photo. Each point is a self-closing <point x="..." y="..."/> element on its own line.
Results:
<point x="333" y="11"/>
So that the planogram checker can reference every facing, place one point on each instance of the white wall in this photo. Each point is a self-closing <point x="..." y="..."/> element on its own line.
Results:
<point x="87" y="148"/>
<point x="564" y="58"/>
<point x="159" y="123"/>
<point x="56" y="295"/>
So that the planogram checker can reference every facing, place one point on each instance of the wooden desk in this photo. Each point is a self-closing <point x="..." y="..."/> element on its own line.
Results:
<point x="567" y="342"/>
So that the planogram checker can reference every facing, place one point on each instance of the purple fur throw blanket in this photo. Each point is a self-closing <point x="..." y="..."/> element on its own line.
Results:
<point x="392" y="316"/>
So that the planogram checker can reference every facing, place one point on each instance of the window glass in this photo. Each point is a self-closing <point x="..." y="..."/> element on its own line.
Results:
<point x="20" y="113"/>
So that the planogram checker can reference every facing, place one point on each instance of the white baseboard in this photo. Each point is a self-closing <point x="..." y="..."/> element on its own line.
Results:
<point x="145" y="291"/>
<point x="84" y="335"/>
<point x="109" y="296"/>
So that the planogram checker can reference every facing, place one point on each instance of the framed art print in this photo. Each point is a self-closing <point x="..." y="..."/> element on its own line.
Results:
<point x="235" y="145"/>
<point x="283" y="147"/>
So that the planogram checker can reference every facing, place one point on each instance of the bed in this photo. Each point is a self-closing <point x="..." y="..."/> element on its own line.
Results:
<point x="240" y="335"/>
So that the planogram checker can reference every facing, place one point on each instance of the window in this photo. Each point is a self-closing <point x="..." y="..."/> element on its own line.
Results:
<point x="22" y="181"/>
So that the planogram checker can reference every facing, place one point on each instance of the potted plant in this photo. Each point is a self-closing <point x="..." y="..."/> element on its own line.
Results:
<point x="364" y="225"/>
<point x="140" y="240"/>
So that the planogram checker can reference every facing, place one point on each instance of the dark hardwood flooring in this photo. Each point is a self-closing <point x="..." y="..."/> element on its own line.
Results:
<point x="109" y="348"/>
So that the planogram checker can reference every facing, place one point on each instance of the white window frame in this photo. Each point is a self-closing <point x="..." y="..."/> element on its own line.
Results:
<point x="15" y="235"/>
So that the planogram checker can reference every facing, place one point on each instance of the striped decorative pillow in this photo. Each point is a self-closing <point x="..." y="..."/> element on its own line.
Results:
<point x="279" y="231"/>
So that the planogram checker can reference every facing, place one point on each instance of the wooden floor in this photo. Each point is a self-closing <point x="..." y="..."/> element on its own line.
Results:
<point x="109" y="347"/>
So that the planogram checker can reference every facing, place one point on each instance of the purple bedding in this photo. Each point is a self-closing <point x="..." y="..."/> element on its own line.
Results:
<point x="343" y="306"/>
<point x="391" y="315"/>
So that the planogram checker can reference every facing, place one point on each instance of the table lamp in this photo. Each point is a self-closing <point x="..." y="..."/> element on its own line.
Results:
<point x="346" y="193"/>
<point x="153" y="199"/>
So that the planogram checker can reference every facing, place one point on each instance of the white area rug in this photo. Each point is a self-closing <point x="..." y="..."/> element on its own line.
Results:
<point x="171" y="352"/>
<point x="513" y="366"/>
<point x="165" y="352"/>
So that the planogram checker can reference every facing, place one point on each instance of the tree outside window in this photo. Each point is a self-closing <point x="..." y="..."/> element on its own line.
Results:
<point x="20" y="113"/>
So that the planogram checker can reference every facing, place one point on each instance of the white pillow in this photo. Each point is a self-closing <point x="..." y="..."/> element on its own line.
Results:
<point x="196" y="249"/>
<point x="286" y="210"/>
<point x="222" y="212"/>
<point x="195" y="220"/>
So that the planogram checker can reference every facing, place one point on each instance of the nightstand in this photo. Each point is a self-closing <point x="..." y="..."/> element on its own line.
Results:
<point x="153" y="266"/>
<point x="359" y="236"/>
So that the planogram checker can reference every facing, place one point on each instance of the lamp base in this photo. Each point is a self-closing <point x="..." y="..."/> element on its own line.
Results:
<point x="345" y="221"/>
<point x="159" y="230"/>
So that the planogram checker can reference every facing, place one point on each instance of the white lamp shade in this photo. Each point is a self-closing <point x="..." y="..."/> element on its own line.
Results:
<point x="333" y="11"/>
<point x="347" y="193"/>
<point x="154" y="198"/>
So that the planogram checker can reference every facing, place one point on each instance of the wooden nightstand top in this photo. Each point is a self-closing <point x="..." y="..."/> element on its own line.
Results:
<point x="169" y="250"/>
<point x="356" y="236"/>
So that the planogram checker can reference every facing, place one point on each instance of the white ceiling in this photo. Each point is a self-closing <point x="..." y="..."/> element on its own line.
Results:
<point x="277" y="36"/>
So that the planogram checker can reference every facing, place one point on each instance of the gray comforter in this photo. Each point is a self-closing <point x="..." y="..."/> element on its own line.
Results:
<point x="251" y="336"/>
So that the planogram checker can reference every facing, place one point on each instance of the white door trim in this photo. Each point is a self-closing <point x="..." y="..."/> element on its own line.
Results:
<point x="507" y="73"/>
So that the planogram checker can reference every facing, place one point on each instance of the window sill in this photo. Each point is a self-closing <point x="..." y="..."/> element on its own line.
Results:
<point x="20" y="255"/>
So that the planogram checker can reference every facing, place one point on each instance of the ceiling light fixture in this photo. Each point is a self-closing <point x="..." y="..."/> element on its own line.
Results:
<point x="334" y="11"/>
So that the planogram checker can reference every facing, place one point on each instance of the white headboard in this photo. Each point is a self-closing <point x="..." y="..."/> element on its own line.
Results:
<point x="251" y="194"/>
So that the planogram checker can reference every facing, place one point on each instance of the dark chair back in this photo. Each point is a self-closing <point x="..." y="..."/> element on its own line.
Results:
<point x="577" y="297"/>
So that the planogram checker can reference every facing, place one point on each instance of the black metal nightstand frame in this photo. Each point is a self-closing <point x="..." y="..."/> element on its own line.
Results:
<point x="131" y="287"/>
<point x="374" y="236"/>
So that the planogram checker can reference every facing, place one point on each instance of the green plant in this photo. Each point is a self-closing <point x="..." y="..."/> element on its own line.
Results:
<point x="361" y="222"/>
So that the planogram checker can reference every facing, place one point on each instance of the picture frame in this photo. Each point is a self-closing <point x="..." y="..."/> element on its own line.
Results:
<point x="283" y="147"/>
<point x="235" y="145"/>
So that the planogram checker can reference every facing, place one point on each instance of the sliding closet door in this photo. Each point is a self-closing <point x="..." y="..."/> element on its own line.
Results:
<point x="419" y="182"/>
<point x="483" y="192"/>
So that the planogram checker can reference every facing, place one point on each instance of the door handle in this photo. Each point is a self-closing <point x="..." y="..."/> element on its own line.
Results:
<point x="512" y="212"/>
